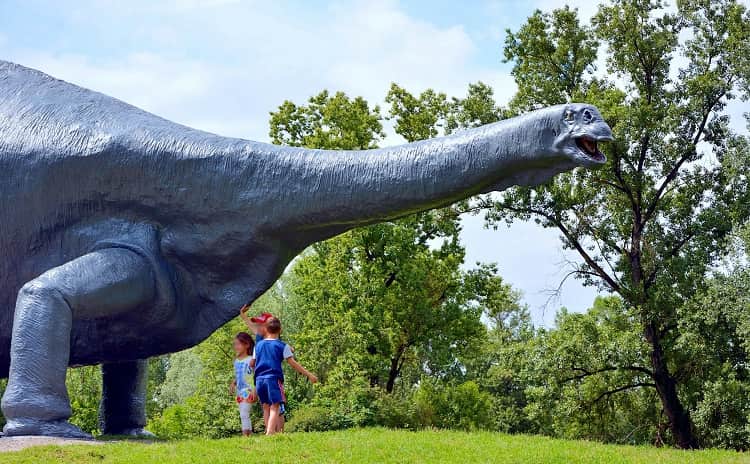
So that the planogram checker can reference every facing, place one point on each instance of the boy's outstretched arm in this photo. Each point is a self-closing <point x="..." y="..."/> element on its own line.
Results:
<point x="298" y="367"/>
<point x="246" y="319"/>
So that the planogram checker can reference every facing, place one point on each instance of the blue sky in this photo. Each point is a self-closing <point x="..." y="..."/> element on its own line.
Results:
<point x="222" y="65"/>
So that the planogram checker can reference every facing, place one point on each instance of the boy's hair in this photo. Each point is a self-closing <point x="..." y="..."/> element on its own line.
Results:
<point x="246" y="339"/>
<point x="273" y="326"/>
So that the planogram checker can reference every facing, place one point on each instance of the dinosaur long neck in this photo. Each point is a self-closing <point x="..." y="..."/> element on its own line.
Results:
<point x="326" y="192"/>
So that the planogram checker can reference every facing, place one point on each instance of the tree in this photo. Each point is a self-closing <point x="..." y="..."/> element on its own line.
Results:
<point x="588" y="378"/>
<point x="649" y="225"/>
<point x="390" y="300"/>
<point x="476" y="109"/>
<point x="417" y="118"/>
<point x="327" y="122"/>
<point x="552" y="55"/>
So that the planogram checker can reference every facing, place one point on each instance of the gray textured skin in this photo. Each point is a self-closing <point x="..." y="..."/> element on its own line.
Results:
<point x="124" y="235"/>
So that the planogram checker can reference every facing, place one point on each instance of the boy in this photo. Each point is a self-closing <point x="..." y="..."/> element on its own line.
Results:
<point x="256" y="325"/>
<point x="269" y="376"/>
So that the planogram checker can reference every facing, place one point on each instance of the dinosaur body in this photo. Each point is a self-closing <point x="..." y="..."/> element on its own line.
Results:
<point x="213" y="221"/>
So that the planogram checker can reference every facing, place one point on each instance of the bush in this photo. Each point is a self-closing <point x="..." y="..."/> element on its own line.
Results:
<point x="395" y="411"/>
<point x="312" y="419"/>
<point x="722" y="415"/>
<point x="210" y="412"/>
<point x="462" y="406"/>
<point x="337" y="408"/>
<point x="85" y="390"/>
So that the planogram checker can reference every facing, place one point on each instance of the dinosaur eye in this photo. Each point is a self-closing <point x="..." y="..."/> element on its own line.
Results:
<point x="569" y="116"/>
<point x="587" y="116"/>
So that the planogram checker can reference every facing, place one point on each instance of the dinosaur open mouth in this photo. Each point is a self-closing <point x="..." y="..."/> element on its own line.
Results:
<point x="590" y="148"/>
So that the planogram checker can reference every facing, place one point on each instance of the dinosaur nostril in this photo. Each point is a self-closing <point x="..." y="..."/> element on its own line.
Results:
<point x="587" y="116"/>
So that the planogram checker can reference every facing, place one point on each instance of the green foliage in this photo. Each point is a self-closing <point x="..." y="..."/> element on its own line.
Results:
<point x="448" y="406"/>
<point x="588" y="379"/>
<point x="476" y="109"/>
<point x="85" y="390"/>
<point x="332" y="122"/>
<point x="181" y="380"/>
<point x="552" y="54"/>
<point x="417" y="118"/>
<point x="722" y="414"/>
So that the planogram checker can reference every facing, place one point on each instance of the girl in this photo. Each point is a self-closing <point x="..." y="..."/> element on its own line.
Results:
<point x="243" y="384"/>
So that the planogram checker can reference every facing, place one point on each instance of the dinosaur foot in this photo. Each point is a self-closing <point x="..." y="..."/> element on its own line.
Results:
<point x="63" y="429"/>
<point x="137" y="432"/>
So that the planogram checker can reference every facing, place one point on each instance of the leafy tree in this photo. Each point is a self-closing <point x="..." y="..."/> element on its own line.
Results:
<point x="421" y="117"/>
<point x="85" y="389"/>
<point x="588" y="374"/>
<point x="552" y="58"/>
<point x="327" y="122"/>
<point x="476" y="109"/>
<point x="389" y="300"/>
<point x="181" y="379"/>
<point x="417" y="118"/>
<point x="649" y="225"/>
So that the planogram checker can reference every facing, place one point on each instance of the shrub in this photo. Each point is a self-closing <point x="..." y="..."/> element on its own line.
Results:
<point x="722" y="415"/>
<point x="395" y="411"/>
<point x="463" y="406"/>
<point x="85" y="390"/>
<point x="313" y="419"/>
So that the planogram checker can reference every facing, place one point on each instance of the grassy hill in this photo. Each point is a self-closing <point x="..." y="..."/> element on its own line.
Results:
<point x="371" y="445"/>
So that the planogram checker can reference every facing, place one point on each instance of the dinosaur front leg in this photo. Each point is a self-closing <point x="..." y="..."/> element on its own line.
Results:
<point x="99" y="284"/>
<point x="123" y="407"/>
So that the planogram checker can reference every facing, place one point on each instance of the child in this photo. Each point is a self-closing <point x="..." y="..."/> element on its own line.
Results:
<point x="269" y="376"/>
<point x="242" y="385"/>
<point x="256" y="325"/>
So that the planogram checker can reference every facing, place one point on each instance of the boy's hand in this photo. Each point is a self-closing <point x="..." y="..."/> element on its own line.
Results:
<point x="312" y="378"/>
<point x="244" y="309"/>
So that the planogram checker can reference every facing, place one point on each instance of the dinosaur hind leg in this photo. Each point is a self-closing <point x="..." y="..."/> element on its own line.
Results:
<point x="98" y="284"/>
<point x="123" y="406"/>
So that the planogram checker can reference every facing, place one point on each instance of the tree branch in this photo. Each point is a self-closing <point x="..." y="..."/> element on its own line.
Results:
<point x="675" y="169"/>
<point x="609" y="393"/>
<point x="586" y="373"/>
<point x="575" y="243"/>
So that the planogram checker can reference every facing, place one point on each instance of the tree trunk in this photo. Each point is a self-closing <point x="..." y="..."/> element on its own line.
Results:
<point x="395" y="369"/>
<point x="392" y="374"/>
<point x="679" y="419"/>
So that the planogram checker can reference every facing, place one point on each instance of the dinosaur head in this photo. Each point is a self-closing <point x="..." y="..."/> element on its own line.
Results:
<point x="580" y="129"/>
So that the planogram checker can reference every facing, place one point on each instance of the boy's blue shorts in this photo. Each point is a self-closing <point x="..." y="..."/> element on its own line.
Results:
<point x="270" y="390"/>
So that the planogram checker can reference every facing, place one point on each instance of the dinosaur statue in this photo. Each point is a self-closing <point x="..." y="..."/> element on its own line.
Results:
<point x="124" y="235"/>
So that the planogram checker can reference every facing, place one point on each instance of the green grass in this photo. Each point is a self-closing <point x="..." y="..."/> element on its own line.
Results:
<point x="371" y="445"/>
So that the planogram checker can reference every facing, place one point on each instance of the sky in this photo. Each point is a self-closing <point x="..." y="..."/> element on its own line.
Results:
<point x="223" y="65"/>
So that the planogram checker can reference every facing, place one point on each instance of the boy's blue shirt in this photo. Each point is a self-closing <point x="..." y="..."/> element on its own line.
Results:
<point x="269" y="355"/>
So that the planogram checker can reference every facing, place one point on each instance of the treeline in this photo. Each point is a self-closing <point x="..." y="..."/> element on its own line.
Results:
<point x="402" y="334"/>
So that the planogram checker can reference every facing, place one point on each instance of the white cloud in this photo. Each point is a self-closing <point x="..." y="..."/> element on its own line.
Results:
<point x="245" y="59"/>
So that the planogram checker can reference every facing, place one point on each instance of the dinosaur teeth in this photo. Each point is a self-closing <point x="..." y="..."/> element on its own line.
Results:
<point x="588" y="146"/>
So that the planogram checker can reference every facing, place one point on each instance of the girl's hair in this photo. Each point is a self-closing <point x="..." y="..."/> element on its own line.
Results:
<point x="246" y="339"/>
